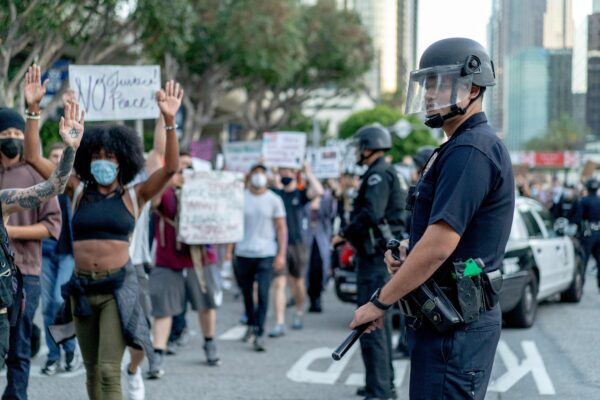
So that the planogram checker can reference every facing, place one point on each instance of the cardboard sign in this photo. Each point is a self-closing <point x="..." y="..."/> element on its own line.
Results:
<point x="212" y="208"/>
<point x="284" y="149"/>
<point x="325" y="162"/>
<point x="111" y="92"/>
<point x="241" y="156"/>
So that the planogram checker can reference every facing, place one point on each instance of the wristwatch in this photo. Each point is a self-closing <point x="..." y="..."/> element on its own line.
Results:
<point x="375" y="300"/>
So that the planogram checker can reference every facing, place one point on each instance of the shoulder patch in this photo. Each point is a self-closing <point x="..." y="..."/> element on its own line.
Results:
<point x="374" y="180"/>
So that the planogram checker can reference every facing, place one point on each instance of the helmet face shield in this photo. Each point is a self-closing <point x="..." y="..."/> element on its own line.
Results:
<point x="434" y="90"/>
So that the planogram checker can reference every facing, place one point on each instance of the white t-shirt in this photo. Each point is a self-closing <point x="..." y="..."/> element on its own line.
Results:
<point x="259" y="228"/>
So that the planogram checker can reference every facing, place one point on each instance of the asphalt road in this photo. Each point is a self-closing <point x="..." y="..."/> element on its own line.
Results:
<point x="558" y="358"/>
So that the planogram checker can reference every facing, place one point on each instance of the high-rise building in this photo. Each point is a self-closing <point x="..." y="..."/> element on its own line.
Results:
<point x="593" y="75"/>
<point x="515" y="25"/>
<point x="560" y="94"/>
<point x="558" y="24"/>
<point x="579" y="75"/>
<point x="392" y="24"/>
<point x="526" y="96"/>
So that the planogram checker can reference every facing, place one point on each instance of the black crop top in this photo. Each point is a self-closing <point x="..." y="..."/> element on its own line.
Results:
<point x="102" y="217"/>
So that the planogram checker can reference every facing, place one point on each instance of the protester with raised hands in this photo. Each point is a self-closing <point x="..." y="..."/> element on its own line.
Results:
<point x="25" y="194"/>
<point x="103" y="290"/>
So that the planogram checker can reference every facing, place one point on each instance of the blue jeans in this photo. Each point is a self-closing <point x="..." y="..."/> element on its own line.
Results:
<point x="248" y="270"/>
<point x="19" y="352"/>
<point x="56" y="271"/>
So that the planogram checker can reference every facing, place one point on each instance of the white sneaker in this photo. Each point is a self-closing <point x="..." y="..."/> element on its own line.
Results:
<point x="134" y="386"/>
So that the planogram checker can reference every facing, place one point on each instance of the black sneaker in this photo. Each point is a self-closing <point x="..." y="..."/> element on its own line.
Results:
<point x="315" y="306"/>
<point x="50" y="368"/>
<point x="362" y="392"/>
<point x="72" y="361"/>
<point x="171" y="349"/>
<point x="156" y="369"/>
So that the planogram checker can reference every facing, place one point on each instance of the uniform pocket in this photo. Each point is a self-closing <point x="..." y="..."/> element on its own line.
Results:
<point x="423" y="203"/>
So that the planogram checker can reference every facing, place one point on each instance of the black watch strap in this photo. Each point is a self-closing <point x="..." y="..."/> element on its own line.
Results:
<point x="375" y="300"/>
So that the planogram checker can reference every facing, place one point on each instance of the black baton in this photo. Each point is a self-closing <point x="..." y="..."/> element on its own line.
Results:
<point x="349" y="341"/>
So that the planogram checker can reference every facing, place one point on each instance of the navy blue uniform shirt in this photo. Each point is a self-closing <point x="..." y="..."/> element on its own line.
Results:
<point x="470" y="186"/>
<point x="294" y="202"/>
<point x="590" y="208"/>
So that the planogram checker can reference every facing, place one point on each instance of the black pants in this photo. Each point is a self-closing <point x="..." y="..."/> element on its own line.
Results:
<point x="4" y="334"/>
<point x="457" y="365"/>
<point x="248" y="270"/>
<point x="315" y="273"/>
<point x="591" y="247"/>
<point x="376" y="347"/>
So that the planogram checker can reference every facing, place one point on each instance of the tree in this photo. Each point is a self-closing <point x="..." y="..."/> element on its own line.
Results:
<point x="294" y="53"/>
<point x="562" y="134"/>
<point x="419" y="134"/>
<point x="86" y="31"/>
<point x="192" y="39"/>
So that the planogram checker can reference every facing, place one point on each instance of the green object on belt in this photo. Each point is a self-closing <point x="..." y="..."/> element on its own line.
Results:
<point x="472" y="269"/>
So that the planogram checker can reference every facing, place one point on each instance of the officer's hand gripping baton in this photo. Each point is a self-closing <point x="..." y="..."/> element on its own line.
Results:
<point x="394" y="246"/>
<point x="349" y="341"/>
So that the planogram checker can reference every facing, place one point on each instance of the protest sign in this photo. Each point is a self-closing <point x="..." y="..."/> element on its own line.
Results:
<point x="202" y="148"/>
<point x="325" y="162"/>
<point x="212" y="208"/>
<point x="240" y="156"/>
<point x="284" y="149"/>
<point x="112" y="92"/>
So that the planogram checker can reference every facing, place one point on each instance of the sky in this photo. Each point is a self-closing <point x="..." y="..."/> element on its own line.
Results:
<point x="439" y="19"/>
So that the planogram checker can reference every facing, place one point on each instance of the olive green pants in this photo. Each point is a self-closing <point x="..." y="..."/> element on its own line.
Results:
<point x="102" y="346"/>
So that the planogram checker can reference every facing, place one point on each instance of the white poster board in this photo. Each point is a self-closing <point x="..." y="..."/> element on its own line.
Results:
<point x="240" y="156"/>
<point x="112" y="92"/>
<point x="284" y="149"/>
<point x="212" y="207"/>
<point x="325" y="162"/>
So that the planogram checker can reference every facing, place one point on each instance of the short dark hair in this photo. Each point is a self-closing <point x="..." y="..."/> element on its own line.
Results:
<point x="121" y="141"/>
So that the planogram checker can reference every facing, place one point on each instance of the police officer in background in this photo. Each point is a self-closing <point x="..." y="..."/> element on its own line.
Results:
<point x="376" y="216"/>
<point x="463" y="209"/>
<point x="590" y="223"/>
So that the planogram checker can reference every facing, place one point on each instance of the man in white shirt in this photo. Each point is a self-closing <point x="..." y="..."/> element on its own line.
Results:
<point x="262" y="250"/>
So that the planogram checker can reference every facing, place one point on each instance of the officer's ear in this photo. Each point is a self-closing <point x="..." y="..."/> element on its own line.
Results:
<point x="475" y="92"/>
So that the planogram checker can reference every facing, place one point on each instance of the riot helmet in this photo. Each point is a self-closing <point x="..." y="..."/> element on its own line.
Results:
<point x="372" y="137"/>
<point x="447" y="71"/>
<point x="592" y="185"/>
<point x="422" y="155"/>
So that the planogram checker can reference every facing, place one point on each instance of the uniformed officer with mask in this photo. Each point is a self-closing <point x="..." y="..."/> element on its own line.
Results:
<point x="377" y="214"/>
<point x="590" y="223"/>
<point x="462" y="211"/>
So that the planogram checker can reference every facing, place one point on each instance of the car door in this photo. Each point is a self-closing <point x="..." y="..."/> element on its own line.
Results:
<point x="543" y="251"/>
<point x="563" y="261"/>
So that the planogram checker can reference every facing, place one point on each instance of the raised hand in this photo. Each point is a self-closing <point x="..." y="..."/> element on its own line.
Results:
<point x="169" y="99"/>
<point x="34" y="88"/>
<point x="70" y="126"/>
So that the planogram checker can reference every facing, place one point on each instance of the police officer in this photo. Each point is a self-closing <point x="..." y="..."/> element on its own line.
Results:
<point x="377" y="214"/>
<point x="590" y="223"/>
<point x="463" y="208"/>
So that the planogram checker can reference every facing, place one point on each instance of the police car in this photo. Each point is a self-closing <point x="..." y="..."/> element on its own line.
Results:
<point x="541" y="262"/>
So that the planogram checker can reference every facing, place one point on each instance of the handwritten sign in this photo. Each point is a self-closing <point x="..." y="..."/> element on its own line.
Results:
<point x="111" y="92"/>
<point x="212" y="208"/>
<point x="325" y="162"/>
<point x="284" y="149"/>
<point x="202" y="148"/>
<point x="241" y="156"/>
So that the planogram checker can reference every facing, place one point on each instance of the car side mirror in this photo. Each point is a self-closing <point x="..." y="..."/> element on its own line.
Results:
<point x="561" y="226"/>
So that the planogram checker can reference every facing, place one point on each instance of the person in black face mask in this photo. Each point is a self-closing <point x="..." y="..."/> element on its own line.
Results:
<point x="294" y="200"/>
<point x="11" y="135"/>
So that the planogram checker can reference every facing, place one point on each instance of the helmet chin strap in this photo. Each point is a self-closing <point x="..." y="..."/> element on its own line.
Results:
<point x="437" y="120"/>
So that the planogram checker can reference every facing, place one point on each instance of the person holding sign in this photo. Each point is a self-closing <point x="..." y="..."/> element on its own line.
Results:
<point x="103" y="290"/>
<point x="294" y="199"/>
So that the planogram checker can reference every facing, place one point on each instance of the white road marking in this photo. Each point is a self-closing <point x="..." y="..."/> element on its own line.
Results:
<point x="400" y="367"/>
<point x="300" y="371"/>
<point x="516" y="371"/>
<point x="235" y="333"/>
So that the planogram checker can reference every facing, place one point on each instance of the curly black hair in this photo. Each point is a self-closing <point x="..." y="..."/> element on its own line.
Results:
<point x="121" y="141"/>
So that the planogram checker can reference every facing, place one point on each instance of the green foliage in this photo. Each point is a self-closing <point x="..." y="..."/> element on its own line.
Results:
<point x="562" y="134"/>
<point x="386" y="116"/>
<point x="298" y="122"/>
<point x="49" y="135"/>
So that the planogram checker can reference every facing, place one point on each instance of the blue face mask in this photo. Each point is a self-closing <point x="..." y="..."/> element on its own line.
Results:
<point x="104" y="171"/>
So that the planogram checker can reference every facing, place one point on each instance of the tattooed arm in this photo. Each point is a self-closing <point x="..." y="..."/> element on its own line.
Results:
<point x="14" y="200"/>
<point x="71" y="131"/>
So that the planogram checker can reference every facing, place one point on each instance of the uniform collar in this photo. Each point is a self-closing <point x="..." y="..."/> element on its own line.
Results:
<point x="474" y="120"/>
